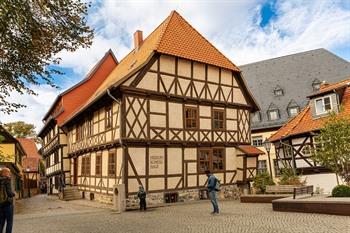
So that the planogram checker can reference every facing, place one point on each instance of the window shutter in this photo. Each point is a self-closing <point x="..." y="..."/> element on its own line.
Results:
<point x="313" y="108"/>
<point x="334" y="101"/>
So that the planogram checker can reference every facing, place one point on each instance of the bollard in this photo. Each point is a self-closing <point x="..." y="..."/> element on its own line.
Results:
<point x="119" y="204"/>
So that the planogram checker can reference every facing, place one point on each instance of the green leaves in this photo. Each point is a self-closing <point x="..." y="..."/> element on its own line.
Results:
<point x="32" y="33"/>
<point x="332" y="145"/>
<point x="20" y="129"/>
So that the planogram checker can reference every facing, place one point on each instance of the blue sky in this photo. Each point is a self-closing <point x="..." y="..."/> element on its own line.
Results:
<point x="245" y="31"/>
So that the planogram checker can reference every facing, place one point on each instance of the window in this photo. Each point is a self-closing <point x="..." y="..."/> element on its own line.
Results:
<point x="218" y="119"/>
<point x="191" y="117"/>
<point x="262" y="167"/>
<point x="98" y="164"/>
<point x="273" y="114"/>
<point x="83" y="169"/>
<point x="292" y="111"/>
<point x="257" y="140"/>
<point x="111" y="163"/>
<point x="108" y="116"/>
<point x="87" y="165"/>
<point x="56" y="158"/>
<point x="218" y="160"/>
<point x="323" y="105"/>
<point x="47" y="162"/>
<point x="79" y="133"/>
<point x="211" y="159"/>
<point x="90" y="126"/>
<point x="256" y="117"/>
<point x="276" y="167"/>
<point x="306" y="150"/>
<point x="204" y="160"/>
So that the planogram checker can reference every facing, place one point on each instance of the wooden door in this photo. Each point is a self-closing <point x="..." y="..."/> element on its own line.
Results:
<point x="75" y="168"/>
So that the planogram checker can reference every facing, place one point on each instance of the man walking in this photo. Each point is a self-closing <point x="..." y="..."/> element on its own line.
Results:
<point x="212" y="183"/>
<point x="6" y="201"/>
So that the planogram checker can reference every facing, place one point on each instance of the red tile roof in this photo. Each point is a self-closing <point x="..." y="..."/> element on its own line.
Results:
<point x="304" y="122"/>
<point x="32" y="158"/>
<point x="174" y="36"/>
<point x="250" y="150"/>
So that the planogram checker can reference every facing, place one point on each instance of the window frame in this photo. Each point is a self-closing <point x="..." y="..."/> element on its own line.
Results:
<point x="79" y="134"/>
<point x="219" y="111"/>
<point x="324" y="111"/>
<point x="276" y="167"/>
<point x="196" y="119"/>
<point x="114" y="164"/>
<point x="261" y="169"/>
<point x="273" y="110"/>
<point x="210" y="159"/>
<point x="108" y="117"/>
<point x="90" y="126"/>
<point x="254" y="138"/>
<point x="293" y="107"/>
<point x="98" y="164"/>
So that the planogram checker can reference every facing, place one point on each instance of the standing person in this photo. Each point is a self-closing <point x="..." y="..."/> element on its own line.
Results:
<point x="6" y="201"/>
<point x="141" y="194"/>
<point x="212" y="180"/>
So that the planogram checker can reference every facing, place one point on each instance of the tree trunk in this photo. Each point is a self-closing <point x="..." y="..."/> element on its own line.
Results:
<point x="336" y="175"/>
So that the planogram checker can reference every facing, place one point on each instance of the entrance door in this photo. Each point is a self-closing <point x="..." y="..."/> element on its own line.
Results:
<point x="75" y="168"/>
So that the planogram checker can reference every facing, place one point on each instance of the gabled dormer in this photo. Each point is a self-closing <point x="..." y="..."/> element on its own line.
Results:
<point x="278" y="91"/>
<point x="273" y="112"/>
<point x="327" y="99"/>
<point x="293" y="108"/>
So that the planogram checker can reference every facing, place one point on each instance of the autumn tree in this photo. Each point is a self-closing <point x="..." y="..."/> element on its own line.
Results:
<point x="332" y="148"/>
<point x="20" y="129"/>
<point x="32" y="33"/>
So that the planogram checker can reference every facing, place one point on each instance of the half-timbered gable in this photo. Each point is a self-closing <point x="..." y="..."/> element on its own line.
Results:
<point x="295" y="140"/>
<point x="177" y="111"/>
<point x="54" y="149"/>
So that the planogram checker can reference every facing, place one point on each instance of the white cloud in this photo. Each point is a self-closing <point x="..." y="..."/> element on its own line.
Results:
<point x="36" y="108"/>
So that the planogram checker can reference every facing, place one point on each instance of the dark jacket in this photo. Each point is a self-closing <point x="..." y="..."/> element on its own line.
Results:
<point x="6" y="182"/>
<point x="141" y="194"/>
<point x="211" y="183"/>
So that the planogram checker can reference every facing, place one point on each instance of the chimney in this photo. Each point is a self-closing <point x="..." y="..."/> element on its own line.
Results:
<point x="138" y="39"/>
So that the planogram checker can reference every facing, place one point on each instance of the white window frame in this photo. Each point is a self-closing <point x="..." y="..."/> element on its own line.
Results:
<point x="257" y="138"/>
<point x="323" y="105"/>
<point x="290" y="113"/>
<point x="273" y="110"/>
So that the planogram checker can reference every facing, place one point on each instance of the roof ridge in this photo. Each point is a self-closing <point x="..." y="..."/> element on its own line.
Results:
<point x="166" y="22"/>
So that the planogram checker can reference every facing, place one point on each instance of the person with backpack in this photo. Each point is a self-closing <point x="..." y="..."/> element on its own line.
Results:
<point x="213" y="187"/>
<point x="141" y="194"/>
<point x="6" y="201"/>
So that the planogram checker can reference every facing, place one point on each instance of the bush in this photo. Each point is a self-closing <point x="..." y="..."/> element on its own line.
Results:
<point x="261" y="180"/>
<point x="288" y="178"/>
<point x="341" y="191"/>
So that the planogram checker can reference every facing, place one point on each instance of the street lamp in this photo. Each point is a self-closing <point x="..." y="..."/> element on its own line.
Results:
<point x="28" y="170"/>
<point x="267" y="146"/>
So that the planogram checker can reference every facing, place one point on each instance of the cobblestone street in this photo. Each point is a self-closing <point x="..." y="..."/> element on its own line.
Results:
<point x="42" y="214"/>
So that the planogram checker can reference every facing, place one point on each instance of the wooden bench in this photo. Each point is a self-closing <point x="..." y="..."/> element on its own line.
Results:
<point x="280" y="188"/>
<point x="303" y="190"/>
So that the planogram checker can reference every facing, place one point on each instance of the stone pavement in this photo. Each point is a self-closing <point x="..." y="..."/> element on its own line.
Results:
<point x="47" y="215"/>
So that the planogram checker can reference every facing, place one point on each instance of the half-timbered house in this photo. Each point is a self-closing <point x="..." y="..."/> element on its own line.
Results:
<point x="172" y="108"/>
<point x="54" y="139"/>
<point x="295" y="140"/>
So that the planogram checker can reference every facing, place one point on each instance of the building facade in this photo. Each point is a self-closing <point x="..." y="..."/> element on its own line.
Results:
<point x="164" y="115"/>
<point x="54" y="139"/>
<point x="280" y="86"/>
<point x="11" y="156"/>
<point x="295" y="140"/>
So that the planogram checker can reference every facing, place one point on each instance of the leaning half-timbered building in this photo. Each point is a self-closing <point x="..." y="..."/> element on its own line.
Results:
<point x="174" y="107"/>
<point x="295" y="140"/>
<point x="54" y="138"/>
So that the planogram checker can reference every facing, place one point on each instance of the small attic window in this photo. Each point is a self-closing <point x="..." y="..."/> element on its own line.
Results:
<point x="273" y="114"/>
<point x="293" y="108"/>
<point x="256" y="117"/>
<point x="316" y="84"/>
<point x="278" y="91"/>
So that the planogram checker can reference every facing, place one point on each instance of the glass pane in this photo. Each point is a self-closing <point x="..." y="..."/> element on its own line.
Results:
<point x="319" y="106"/>
<point x="327" y="104"/>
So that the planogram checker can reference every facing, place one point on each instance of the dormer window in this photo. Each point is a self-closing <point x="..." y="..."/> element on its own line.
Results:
<point x="293" y="108"/>
<point x="273" y="114"/>
<point x="316" y="84"/>
<point x="323" y="105"/>
<point x="256" y="117"/>
<point x="278" y="91"/>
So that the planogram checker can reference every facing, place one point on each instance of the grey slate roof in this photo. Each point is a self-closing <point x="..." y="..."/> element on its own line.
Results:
<point x="295" y="74"/>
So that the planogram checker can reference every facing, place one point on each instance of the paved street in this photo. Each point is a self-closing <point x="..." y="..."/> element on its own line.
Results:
<point x="48" y="215"/>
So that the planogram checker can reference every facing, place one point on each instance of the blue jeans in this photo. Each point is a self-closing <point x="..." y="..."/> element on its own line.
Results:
<point x="214" y="201"/>
<point x="6" y="215"/>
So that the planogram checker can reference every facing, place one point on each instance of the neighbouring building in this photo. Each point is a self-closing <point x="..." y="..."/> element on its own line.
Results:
<point x="54" y="139"/>
<point x="30" y="165"/>
<point x="280" y="86"/>
<point x="172" y="108"/>
<point x="293" y="141"/>
<point x="11" y="155"/>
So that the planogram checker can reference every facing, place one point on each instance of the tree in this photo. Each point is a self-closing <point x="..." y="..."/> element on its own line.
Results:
<point x="261" y="180"/>
<point x="20" y="129"/>
<point x="32" y="33"/>
<point x="332" y="149"/>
